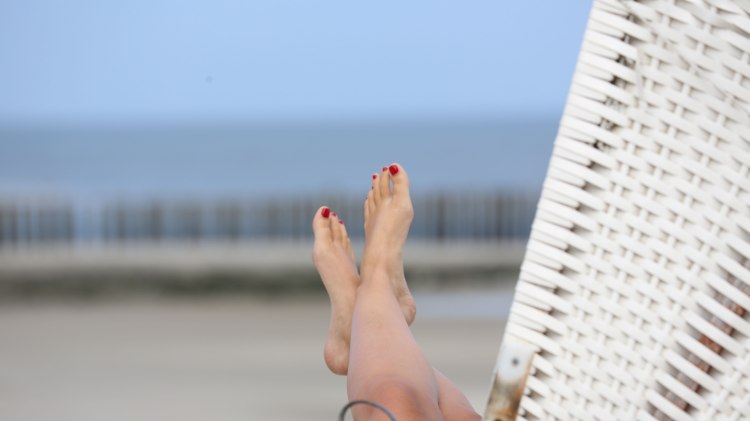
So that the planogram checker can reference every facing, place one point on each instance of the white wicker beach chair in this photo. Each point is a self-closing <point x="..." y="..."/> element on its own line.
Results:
<point x="635" y="286"/>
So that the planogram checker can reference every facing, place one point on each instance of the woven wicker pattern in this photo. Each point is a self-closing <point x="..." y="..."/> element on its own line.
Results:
<point x="636" y="281"/>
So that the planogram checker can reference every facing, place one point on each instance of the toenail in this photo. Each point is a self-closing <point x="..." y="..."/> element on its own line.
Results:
<point x="393" y="169"/>
<point x="341" y="221"/>
<point x="334" y="214"/>
<point x="374" y="176"/>
<point x="385" y="169"/>
<point x="325" y="212"/>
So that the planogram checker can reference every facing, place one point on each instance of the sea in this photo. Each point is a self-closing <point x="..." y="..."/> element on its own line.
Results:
<point x="198" y="160"/>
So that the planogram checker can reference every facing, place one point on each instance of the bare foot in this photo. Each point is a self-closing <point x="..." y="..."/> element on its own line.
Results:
<point x="334" y="259"/>
<point x="388" y="216"/>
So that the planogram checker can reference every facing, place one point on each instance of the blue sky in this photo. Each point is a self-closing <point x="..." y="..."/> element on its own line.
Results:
<point x="138" y="61"/>
<point x="499" y="70"/>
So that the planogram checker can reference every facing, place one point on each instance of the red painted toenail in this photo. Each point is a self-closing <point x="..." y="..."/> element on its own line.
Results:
<point x="333" y="214"/>
<point x="393" y="169"/>
<point x="341" y="221"/>
<point x="374" y="176"/>
<point x="325" y="212"/>
<point x="385" y="168"/>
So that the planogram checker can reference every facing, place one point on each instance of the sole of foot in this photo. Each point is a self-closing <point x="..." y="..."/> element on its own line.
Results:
<point x="334" y="259"/>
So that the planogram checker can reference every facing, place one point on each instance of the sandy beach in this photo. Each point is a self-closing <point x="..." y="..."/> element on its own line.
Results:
<point x="212" y="359"/>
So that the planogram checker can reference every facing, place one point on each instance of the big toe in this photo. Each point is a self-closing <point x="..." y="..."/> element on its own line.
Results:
<point x="400" y="180"/>
<point x="322" y="224"/>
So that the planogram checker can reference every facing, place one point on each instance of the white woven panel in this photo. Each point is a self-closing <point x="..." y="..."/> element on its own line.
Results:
<point x="636" y="281"/>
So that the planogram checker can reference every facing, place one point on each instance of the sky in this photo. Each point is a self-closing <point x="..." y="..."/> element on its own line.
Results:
<point x="183" y="98"/>
<point x="144" y="61"/>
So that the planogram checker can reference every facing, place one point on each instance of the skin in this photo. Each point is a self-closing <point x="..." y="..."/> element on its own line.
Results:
<point x="369" y="338"/>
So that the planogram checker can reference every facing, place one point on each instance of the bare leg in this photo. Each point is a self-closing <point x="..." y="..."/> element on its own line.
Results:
<point x="386" y="365"/>
<point x="334" y="260"/>
<point x="453" y="404"/>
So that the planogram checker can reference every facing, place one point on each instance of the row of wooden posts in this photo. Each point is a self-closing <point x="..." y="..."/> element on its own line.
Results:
<point x="487" y="215"/>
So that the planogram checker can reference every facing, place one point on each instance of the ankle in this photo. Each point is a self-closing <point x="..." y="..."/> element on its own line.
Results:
<point x="373" y="269"/>
<point x="381" y="257"/>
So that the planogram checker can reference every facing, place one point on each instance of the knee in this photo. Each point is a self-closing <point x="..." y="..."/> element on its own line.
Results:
<point x="403" y="400"/>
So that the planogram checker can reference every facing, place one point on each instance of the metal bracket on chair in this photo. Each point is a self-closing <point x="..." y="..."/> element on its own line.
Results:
<point x="511" y="371"/>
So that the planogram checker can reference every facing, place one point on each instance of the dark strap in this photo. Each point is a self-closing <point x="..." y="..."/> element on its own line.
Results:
<point x="342" y="414"/>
